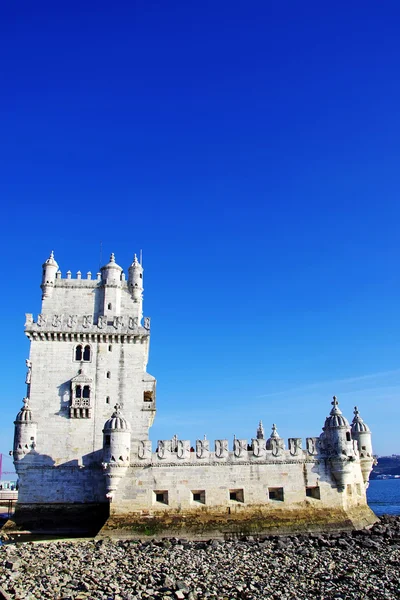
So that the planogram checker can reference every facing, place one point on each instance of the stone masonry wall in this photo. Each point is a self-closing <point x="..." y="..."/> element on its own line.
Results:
<point x="65" y="439"/>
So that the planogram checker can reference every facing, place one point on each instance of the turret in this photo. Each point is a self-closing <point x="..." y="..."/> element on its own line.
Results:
<point x="260" y="431"/>
<point x="24" y="433"/>
<point x="135" y="280"/>
<point x="362" y="433"/>
<point x="275" y="442"/>
<point x="116" y="450"/>
<point x="111" y="277"/>
<point x="50" y="268"/>
<point x="111" y="272"/>
<point x="338" y="444"/>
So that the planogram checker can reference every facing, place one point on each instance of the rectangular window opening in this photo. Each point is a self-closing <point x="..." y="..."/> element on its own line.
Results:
<point x="349" y="489"/>
<point x="276" y="494"/>
<point x="236" y="495"/>
<point x="313" y="492"/>
<point x="199" y="496"/>
<point x="161" y="496"/>
<point x="148" y="396"/>
<point x="358" y="488"/>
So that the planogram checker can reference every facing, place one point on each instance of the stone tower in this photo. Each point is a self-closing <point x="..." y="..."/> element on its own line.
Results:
<point x="89" y="351"/>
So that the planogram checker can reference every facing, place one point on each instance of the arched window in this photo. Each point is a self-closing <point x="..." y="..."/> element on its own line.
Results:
<point x="86" y="391"/>
<point x="78" y="391"/>
<point x="83" y="354"/>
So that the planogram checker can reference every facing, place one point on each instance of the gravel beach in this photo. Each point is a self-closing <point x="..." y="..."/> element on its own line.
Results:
<point x="361" y="565"/>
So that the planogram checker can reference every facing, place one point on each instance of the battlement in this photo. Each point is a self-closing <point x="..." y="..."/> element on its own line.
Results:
<point x="82" y="282"/>
<point x="181" y="451"/>
<point x="78" y="280"/>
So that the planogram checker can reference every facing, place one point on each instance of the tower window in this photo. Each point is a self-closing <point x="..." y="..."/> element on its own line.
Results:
<point x="78" y="391"/>
<point x="108" y="400"/>
<point x="110" y="348"/>
<point x="348" y="436"/>
<point x="109" y="306"/>
<point x="313" y="492"/>
<point x="275" y="494"/>
<point x="161" y="496"/>
<point x="86" y="391"/>
<point x="236" y="495"/>
<point x="148" y="396"/>
<point x="107" y="440"/>
<point x="199" y="496"/>
<point x="108" y="375"/>
<point x="83" y="353"/>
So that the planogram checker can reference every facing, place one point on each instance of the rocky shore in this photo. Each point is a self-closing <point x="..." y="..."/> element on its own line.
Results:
<point x="358" y="565"/>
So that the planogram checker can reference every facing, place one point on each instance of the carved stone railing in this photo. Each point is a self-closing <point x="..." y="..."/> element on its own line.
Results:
<point x="80" y="403"/>
<point x="177" y="451"/>
<point x="86" y="323"/>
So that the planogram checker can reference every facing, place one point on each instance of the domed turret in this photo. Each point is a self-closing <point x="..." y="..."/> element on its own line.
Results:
<point x="361" y="432"/>
<point x="116" y="450"/>
<point x="357" y="424"/>
<point x="135" y="279"/>
<point x="117" y="422"/>
<point x="338" y="444"/>
<point x="275" y="442"/>
<point x="111" y="272"/>
<point x="24" y="433"/>
<point x="335" y="418"/>
<point x="50" y="268"/>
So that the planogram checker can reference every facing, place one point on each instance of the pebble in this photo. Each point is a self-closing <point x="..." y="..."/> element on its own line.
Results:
<point x="341" y="566"/>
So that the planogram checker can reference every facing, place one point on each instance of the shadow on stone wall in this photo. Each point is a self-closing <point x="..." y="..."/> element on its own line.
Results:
<point x="67" y="498"/>
<point x="64" y="393"/>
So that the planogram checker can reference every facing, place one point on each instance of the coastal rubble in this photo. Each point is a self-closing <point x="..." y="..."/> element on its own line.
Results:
<point x="362" y="565"/>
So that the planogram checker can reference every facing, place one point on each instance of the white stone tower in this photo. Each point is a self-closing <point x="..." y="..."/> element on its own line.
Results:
<point x="89" y="351"/>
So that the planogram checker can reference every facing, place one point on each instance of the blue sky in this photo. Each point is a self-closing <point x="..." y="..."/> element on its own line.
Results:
<point x="251" y="149"/>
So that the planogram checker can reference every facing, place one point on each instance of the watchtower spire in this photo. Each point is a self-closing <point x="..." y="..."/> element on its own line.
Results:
<point x="260" y="431"/>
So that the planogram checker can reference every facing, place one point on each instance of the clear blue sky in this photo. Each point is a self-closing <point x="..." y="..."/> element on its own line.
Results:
<point x="252" y="150"/>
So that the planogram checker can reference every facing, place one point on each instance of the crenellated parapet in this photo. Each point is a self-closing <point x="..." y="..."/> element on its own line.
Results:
<point x="178" y="451"/>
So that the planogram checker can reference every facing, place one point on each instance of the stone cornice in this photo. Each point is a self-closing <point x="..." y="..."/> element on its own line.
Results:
<point x="198" y="463"/>
<point x="59" y="336"/>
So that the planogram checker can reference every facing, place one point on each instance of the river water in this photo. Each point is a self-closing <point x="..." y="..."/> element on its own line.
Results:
<point x="384" y="496"/>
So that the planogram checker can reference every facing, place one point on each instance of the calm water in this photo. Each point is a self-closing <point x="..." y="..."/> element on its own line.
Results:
<point x="384" y="496"/>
